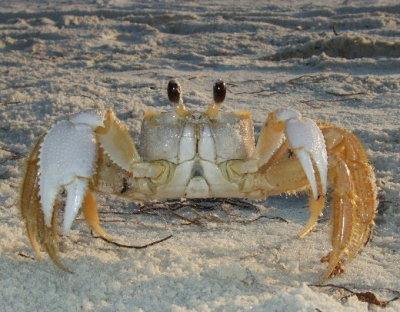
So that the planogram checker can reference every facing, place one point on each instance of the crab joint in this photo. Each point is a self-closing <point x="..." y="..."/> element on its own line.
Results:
<point x="158" y="171"/>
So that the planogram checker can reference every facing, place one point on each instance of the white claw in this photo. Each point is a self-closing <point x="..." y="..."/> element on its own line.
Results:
<point x="67" y="159"/>
<point x="308" y="143"/>
<point x="307" y="165"/>
<point x="76" y="194"/>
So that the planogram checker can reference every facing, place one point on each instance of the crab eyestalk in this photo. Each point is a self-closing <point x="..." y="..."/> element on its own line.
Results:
<point x="175" y="96"/>
<point x="219" y="93"/>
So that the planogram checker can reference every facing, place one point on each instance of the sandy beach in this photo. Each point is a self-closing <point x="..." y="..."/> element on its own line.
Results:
<point x="337" y="61"/>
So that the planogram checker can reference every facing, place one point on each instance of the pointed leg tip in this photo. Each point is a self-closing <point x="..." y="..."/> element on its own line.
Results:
<point x="56" y="260"/>
<point x="308" y="228"/>
<point x="335" y="267"/>
<point x="61" y="266"/>
<point x="103" y="234"/>
<point x="303" y="233"/>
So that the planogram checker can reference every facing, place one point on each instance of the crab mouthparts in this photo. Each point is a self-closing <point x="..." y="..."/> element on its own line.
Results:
<point x="197" y="186"/>
<point x="197" y="171"/>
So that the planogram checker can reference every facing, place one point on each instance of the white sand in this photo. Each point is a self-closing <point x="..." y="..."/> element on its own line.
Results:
<point x="59" y="57"/>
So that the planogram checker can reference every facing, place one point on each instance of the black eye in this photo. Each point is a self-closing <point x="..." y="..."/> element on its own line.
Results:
<point x="219" y="91"/>
<point x="174" y="91"/>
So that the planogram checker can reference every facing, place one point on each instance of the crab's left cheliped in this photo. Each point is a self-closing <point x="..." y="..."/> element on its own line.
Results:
<point x="198" y="155"/>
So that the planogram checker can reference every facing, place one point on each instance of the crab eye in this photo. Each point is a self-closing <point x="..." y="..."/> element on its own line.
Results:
<point x="174" y="91"/>
<point x="219" y="91"/>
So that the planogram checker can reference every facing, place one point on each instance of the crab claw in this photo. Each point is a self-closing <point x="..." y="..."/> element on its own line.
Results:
<point x="307" y="141"/>
<point x="67" y="160"/>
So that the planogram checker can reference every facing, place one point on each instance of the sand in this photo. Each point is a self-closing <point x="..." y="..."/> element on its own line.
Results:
<point x="336" y="61"/>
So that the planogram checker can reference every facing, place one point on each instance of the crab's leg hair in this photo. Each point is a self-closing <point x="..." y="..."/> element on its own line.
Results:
<point x="29" y="197"/>
<point x="354" y="195"/>
<point x="39" y="233"/>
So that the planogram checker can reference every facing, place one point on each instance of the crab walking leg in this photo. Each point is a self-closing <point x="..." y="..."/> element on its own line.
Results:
<point x="354" y="196"/>
<point x="29" y="198"/>
<point x="342" y="216"/>
<point x="91" y="214"/>
<point x="286" y="175"/>
<point x="38" y="233"/>
<point x="316" y="208"/>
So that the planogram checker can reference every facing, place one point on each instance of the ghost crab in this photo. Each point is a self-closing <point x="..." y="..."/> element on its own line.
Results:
<point x="199" y="155"/>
